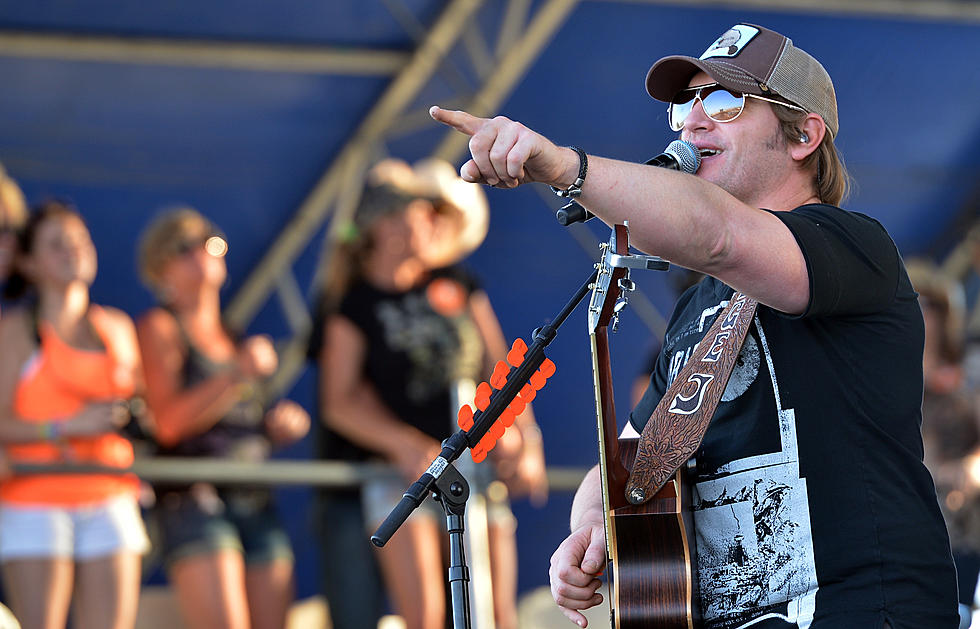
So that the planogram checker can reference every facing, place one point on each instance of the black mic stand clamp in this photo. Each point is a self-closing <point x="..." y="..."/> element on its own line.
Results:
<point x="452" y="490"/>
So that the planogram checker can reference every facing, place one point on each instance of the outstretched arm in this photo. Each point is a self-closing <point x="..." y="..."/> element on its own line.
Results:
<point x="680" y="217"/>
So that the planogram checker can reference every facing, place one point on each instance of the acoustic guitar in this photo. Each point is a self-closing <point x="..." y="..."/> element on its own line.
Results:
<point x="650" y="548"/>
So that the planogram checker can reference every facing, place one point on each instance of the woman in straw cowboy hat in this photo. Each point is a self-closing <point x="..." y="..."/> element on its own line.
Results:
<point x="403" y="327"/>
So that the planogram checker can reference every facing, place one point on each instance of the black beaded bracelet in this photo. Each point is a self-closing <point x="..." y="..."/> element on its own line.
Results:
<point x="575" y="189"/>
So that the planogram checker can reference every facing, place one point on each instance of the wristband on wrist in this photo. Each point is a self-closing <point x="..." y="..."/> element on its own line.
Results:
<point x="48" y="431"/>
<point x="245" y="390"/>
<point x="575" y="189"/>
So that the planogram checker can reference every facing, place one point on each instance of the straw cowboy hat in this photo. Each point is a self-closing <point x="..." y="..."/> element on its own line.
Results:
<point x="462" y="205"/>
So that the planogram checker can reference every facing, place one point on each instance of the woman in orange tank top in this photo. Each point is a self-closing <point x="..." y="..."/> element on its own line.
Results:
<point x="66" y="368"/>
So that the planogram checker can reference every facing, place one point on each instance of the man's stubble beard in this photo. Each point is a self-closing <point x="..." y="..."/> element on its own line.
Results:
<point x="750" y="182"/>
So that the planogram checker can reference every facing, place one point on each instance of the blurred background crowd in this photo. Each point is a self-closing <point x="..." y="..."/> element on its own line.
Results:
<point x="214" y="262"/>
<point x="404" y="336"/>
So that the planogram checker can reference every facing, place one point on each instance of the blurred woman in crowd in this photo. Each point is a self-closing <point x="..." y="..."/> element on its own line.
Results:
<point x="13" y="215"/>
<point x="403" y="327"/>
<point x="66" y="369"/>
<point x="950" y="426"/>
<point x="228" y="558"/>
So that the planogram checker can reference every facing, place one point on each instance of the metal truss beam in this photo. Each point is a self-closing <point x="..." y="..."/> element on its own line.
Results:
<point x="336" y="188"/>
<point x="912" y="9"/>
<point x="349" y="162"/>
<point x="509" y="70"/>
<point x="204" y="54"/>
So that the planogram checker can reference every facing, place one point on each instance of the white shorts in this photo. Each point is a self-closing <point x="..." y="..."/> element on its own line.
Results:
<point x="84" y="532"/>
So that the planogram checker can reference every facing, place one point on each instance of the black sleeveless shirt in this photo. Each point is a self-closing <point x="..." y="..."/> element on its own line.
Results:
<point x="242" y="423"/>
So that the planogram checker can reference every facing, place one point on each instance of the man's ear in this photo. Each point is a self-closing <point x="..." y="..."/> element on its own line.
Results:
<point x="812" y="131"/>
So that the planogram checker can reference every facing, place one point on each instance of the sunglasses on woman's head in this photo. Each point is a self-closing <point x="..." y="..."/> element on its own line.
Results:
<point x="214" y="244"/>
<point x="719" y="104"/>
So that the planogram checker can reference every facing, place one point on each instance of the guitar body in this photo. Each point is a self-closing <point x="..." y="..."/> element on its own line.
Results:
<point x="651" y="547"/>
<point x="653" y="550"/>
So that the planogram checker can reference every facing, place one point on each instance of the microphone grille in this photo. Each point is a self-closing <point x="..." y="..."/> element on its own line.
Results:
<point x="687" y="155"/>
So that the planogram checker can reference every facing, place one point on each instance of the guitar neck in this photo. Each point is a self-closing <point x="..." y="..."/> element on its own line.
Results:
<point x="649" y="549"/>
<point x="614" y="473"/>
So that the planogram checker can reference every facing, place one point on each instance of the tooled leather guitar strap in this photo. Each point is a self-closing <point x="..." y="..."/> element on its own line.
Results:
<point x="675" y="430"/>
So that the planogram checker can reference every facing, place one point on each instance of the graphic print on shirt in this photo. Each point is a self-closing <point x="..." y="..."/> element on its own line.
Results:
<point x="440" y="349"/>
<point x="754" y="543"/>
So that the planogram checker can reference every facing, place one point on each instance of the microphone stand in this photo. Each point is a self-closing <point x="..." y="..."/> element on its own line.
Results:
<point x="445" y="482"/>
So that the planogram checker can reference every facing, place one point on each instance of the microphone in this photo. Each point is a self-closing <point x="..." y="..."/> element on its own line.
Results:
<point x="679" y="155"/>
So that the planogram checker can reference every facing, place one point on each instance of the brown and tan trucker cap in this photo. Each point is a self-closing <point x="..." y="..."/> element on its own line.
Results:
<point x="754" y="60"/>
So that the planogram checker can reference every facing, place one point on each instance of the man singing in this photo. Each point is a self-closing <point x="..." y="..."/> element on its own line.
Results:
<point x="812" y="506"/>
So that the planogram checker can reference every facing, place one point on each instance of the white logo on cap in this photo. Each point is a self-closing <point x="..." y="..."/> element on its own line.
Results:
<point x="732" y="42"/>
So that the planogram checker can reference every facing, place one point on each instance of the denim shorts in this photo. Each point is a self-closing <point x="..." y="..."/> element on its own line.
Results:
<point x="202" y="521"/>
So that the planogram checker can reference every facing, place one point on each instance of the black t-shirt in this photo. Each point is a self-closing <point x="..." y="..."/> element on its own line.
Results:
<point x="418" y="344"/>
<point x="812" y="505"/>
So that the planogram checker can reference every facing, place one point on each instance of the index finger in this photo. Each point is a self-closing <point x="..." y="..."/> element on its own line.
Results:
<point x="459" y="120"/>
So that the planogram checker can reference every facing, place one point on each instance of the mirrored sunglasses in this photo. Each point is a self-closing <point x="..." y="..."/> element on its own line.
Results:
<point x="719" y="104"/>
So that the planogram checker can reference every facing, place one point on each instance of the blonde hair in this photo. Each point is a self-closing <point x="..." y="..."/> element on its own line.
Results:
<point x="12" y="202"/>
<point x="831" y="181"/>
<point x="156" y="246"/>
